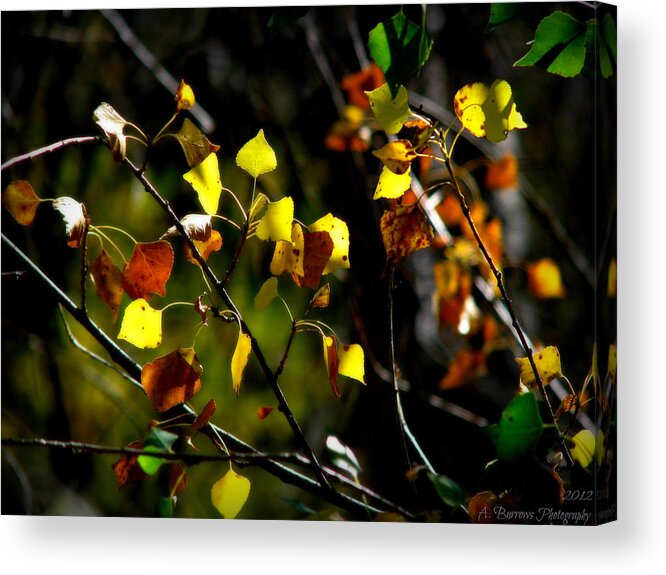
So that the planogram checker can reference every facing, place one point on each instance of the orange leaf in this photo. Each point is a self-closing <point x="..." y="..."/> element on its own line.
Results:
<point x="108" y="282"/>
<point x="318" y="247"/>
<point x="263" y="412"/>
<point x="204" y="417"/>
<point x="148" y="270"/>
<point x="355" y="85"/>
<point x="453" y="286"/>
<point x="449" y="210"/>
<point x="404" y="230"/>
<point x="184" y="96"/>
<point x="177" y="479"/>
<point x="21" y="201"/>
<point x="544" y="279"/>
<point x="172" y="379"/>
<point x="212" y="244"/>
<point x="463" y="369"/>
<point x="502" y="174"/>
<point x="127" y="469"/>
<point x="332" y="362"/>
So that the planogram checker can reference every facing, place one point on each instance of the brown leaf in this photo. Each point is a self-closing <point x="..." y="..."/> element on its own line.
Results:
<point x="397" y="156"/>
<point x="202" y="309"/>
<point x="21" y="201"/>
<point x="148" y="270"/>
<point x="172" y="379"/>
<point x="177" y="479"/>
<point x="570" y="405"/>
<point x="204" y="417"/>
<point x="197" y="226"/>
<point x="318" y="247"/>
<point x="453" y="285"/>
<point x="108" y="282"/>
<point x="263" y="412"/>
<point x="127" y="468"/>
<point x="212" y="244"/>
<point x="322" y="298"/>
<point x="404" y="230"/>
<point x="196" y="146"/>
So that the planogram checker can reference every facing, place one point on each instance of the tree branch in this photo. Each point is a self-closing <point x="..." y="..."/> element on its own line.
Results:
<point x="78" y="141"/>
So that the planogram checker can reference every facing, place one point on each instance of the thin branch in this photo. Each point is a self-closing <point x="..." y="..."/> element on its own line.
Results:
<point x="78" y="141"/>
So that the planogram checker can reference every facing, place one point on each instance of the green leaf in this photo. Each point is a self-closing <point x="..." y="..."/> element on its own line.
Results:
<point x="609" y="34"/>
<point x="519" y="429"/>
<point x="256" y="157"/>
<point x="447" y="489"/>
<point x="158" y="441"/>
<point x="559" y="45"/>
<point x="600" y="43"/>
<point x="501" y="13"/>
<point x="165" y="507"/>
<point x="390" y="110"/>
<point x="400" y="48"/>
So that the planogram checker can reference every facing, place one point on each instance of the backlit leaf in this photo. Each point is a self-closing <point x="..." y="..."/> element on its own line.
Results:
<point x="288" y="256"/>
<point x="184" y="96"/>
<point x="197" y="227"/>
<point x="127" y="469"/>
<point x="404" y="230"/>
<point x="172" y="379"/>
<point x="519" y="429"/>
<point x="583" y="450"/>
<point x="108" y="282"/>
<point x="391" y="185"/>
<point x="196" y="146"/>
<point x="113" y="124"/>
<point x="21" y="201"/>
<point x="548" y="365"/>
<point x="391" y="112"/>
<point x="258" y="204"/>
<point x="339" y="233"/>
<point x="467" y="105"/>
<point x="397" y="156"/>
<point x="317" y="247"/>
<point x="141" y="325"/>
<point x="352" y="362"/>
<point x="257" y="157"/>
<point x="205" y="248"/>
<point x="206" y="180"/>
<point x="544" y="279"/>
<point x="501" y="113"/>
<point x="230" y="493"/>
<point x="158" y="441"/>
<point x="276" y="223"/>
<point x="76" y="220"/>
<point x="322" y="298"/>
<point x="330" y="344"/>
<point x="239" y="360"/>
<point x="149" y="269"/>
<point x="266" y="293"/>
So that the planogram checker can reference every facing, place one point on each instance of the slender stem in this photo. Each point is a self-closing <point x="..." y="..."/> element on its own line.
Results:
<point x="80" y="140"/>
<point x="225" y="219"/>
<point x="84" y="261"/>
<point x="161" y="132"/>
<point x="292" y="334"/>
<point x="238" y="202"/>
<point x="102" y="236"/>
<point x="115" y="229"/>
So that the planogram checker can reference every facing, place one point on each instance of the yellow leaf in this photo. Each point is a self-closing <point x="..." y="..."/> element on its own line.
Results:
<point x="397" y="156"/>
<point x="339" y="233"/>
<point x="256" y="157"/>
<point x="266" y="293"/>
<point x="548" y="365"/>
<point x="544" y="279"/>
<point x="391" y="185"/>
<point x="288" y="256"/>
<point x="467" y="105"/>
<point x="322" y="298"/>
<point x="260" y="200"/>
<point x="351" y="362"/>
<point x="276" y="223"/>
<point x="230" y="493"/>
<point x="141" y="325"/>
<point x="21" y="201"/>
<point x="332" y="361"/>
<point x="500" y="111"/>
<point x="391" y="113"/>
<point x="583" y="450"/>
<point x="239" y="360"/>
<point x="184" y="96"/>
<point x="207" y="183"/>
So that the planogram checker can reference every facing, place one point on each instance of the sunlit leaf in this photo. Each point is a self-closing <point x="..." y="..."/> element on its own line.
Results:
<point x="277" y="221"/>
<point x="583" y="450"/>
<point x="322" y="298"/>
<point x="502" y="174"/>
<point x="172" y="379"/>
<point x="158" y="441"/>
<point x="127" y="469"/>
<point x="197" y="227"/>
<point x="519" y="428"/>
<point x="76" y="220"/>
<point x="342" y="456"/>
<point x="206" y="180"/>
<point x="108" y="282"/>
<point x="258" y="204"/>
<point x="447" y="489"/>
<point x="355" y="85"/>
<point x="351" y="362"/>
<point x="397" y="156"/>
<point x="230" y="493"/>
<point x="339" y="233"/>
<point x="141" y="325"/>
<point x="196" y="146"/>
<point x="501" y="113"/>
<point x="184" y="96"/>
<point x="330" y="344"/>
<point x="288" y="255"/>
<point x="391" y="112"/>
<point x="266" y="293"/>
<point x="467" y="106"/>
<point x="391" y="185"/>
<point x="317" y="248"/>
<point x="239" y="360"/>
<point x="404" y="230"/>
<point x="205" y="248"/>
<point x="21" y="201"/>
<point x="544" y="279"/>
<point x="113" y="124"/>
<point x="149" y="269"/>
<point x="257" y="157"/>
<point x="548" y="365"/>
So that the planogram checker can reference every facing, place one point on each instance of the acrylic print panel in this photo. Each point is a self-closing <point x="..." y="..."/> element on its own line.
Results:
<point x="337" y="262"/>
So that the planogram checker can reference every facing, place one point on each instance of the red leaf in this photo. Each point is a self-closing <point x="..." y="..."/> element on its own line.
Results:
<point x="126" y="467"/>
<point x="108" y="282"/>
<point x="204" y="417"/>
<point x="263" y="412"/>
<point x="172" y="379"/>
<point x="318" y="247"/>
<point x="148" y="270"/>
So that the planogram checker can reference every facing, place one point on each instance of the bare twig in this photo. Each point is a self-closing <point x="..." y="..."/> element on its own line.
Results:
<point x="51" y="148"/>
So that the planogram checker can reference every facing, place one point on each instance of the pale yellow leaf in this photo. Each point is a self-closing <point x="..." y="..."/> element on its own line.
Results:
<point x="276" y="223"/>
<point x="257" y="157"/>
<point x="391" y="185"/>
<point x="266" y="293"/>
<point x="141" y="325"/>
<point x="583" y="450"/>
<point x="230" y="493"/>
<point x="547" y="362"/>
<point x="207" y="182"/>
<point x="351" y="362"/>
<point x="391" y="113"/>
<point x="288" y="256"/>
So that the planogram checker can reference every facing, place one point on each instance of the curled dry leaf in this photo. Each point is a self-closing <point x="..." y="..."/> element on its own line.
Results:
<point x="172" y="379"/>
<point x="76" y="219"/>
<point x="205" y="248"/>
<point x="108" y="282"/>
<point x="322" y="298"/>
<point x="149" y="269"/>
<point x="204" y="417"/>
<point x="196" y="146"/>
<point x="397" y="156"/>
<point x="21" y="201"/>
<point x="127" y="469"/>
<point x="404" y="230"/>
<point x="197" y="226"/>
<point x="202" y="309"/>
<point x="113" y="124"/>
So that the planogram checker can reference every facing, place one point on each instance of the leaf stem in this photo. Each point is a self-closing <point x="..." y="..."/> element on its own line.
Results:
<point x="102" y="236"/>
<point x="115" y="229"/>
